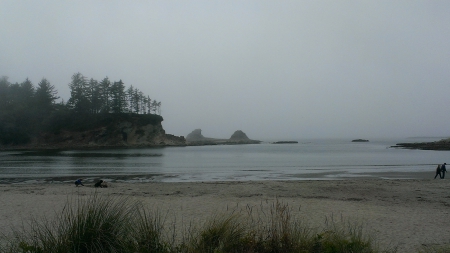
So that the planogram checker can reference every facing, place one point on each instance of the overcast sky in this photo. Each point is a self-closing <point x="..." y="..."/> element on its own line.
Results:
<point x="273" y="69"/>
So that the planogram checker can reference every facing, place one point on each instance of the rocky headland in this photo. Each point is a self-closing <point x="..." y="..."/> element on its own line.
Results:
<point x="195" y="138"/>
<point x="122" y="131"/>
<point x="443" y="144"/>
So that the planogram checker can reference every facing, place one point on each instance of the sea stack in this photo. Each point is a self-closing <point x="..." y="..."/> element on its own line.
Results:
<point x="195" y="135"/>
<point x="239" y="135"/>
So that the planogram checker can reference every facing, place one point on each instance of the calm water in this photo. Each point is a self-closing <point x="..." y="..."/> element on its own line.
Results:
<point x="309" y="159"/>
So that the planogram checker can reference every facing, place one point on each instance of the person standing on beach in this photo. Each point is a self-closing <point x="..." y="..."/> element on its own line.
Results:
<point x="443" y="170"/>
<point x="438" y="171"/>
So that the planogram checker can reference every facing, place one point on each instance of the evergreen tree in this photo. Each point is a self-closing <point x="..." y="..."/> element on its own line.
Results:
<point x="27" y="93"/>
<point x="154" y="106"/>
<point x="158" y="108"/>
<point x="136" y="99"/>
<point x="130" y="96"/>
<point x="45" y="96"/>
<point x="13" y="97"/>
<point x="79" y="100"/>
<point x="94" y="96"/>
<point x="149" y="105"/>
<point x="4" y="88"/>
<point x="119" y="99"/>
<point x="105" y="95"/>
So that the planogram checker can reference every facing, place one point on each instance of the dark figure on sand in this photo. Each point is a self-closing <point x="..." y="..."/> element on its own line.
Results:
<point x="78" y="182"/>
<point x="443" y="170"/>
<point x="101" y="184"/>
<point x="438" y="172"/>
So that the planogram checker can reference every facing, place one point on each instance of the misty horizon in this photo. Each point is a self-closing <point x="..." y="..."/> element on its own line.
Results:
<point x="275" y="70"/>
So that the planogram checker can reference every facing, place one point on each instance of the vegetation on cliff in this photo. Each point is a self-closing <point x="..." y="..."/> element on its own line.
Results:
<point x="27" y="111"/>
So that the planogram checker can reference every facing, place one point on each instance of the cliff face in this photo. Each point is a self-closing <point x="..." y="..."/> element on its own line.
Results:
<point x="124" y="132"/>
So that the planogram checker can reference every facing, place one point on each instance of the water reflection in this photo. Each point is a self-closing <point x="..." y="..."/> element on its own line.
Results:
<point x="67" y="163"/>
<point x="82" y="154"/>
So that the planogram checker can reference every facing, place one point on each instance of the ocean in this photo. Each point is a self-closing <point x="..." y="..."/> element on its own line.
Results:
<point x="313" y="159"/>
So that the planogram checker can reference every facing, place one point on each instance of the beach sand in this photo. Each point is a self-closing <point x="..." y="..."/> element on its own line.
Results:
<point x="403" y="213"/>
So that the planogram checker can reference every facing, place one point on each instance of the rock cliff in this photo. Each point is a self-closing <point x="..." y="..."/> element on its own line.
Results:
<point x="125" y="131"/>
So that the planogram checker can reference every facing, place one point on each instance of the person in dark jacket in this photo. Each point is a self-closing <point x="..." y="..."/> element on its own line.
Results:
<point x="443" y="170"/>
<point x="78" y="182"/>
<point x="438" y="171"/>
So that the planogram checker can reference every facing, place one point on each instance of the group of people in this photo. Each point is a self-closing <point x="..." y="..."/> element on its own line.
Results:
<point x="99" y="184"/>
<point x="440" y="170"/>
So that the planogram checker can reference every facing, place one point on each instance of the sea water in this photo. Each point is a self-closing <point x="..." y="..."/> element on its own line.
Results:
<point x="305" y="160"/>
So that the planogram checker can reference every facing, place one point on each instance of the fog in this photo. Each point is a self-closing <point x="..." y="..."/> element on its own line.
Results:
<point x="273" y="69"/>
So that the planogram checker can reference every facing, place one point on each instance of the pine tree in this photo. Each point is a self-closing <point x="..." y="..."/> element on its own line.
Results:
<point x="45" y="96"/>
<point x="105" y="95"/>
<point x="79" y="99"/>
<point x="119" y="99"/>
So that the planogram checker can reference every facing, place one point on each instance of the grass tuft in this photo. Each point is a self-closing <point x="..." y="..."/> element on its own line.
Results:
<point x="105" y="224"/>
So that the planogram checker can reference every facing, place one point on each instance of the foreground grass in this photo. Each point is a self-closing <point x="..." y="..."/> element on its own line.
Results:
<point x="105" y="224"/>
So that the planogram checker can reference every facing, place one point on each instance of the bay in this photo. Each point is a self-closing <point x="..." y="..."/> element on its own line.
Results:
<point x="310" y="159"/>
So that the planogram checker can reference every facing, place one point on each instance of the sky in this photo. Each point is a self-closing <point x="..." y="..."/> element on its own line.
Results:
<point x="281" y="70"/>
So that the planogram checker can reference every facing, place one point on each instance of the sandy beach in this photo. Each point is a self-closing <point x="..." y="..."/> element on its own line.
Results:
<point x="403" y="213"/>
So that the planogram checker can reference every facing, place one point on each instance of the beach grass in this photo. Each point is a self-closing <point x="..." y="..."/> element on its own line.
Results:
<point x="110" y="224"/>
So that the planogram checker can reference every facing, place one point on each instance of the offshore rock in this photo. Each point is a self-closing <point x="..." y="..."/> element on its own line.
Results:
<point x="195" y="138"/>
<point x="360" y="140"/>
<point x="195" y="135"/>
<point x="239" y="135"/>
<point x="285" y="142"/>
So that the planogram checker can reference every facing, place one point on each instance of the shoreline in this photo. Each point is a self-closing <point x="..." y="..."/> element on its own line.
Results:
<point x="176" y="178"/>
<point x="406" y="213"/>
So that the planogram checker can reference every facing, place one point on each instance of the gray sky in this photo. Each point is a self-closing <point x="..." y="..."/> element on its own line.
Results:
<point x="273" y="69"/>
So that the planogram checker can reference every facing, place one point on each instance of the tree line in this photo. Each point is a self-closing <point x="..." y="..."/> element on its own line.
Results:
<point x="26" y="109"/>
<point x="92" y="96"/>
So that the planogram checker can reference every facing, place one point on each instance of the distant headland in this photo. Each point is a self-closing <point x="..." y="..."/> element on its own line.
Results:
<point x="195" y="138"/>
<point x="443" y="144"/>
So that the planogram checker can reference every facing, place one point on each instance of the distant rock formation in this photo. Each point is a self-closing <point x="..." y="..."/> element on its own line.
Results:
<point x="360" y="140"/>
<point x="239" y="135"/>
<point x="285" y="142"/>
<point x="195" y="135"/>
<point x="195" y="138"/>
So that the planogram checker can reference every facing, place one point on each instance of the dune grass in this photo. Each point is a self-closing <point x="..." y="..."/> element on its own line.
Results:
<point x="106" y="224"/>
